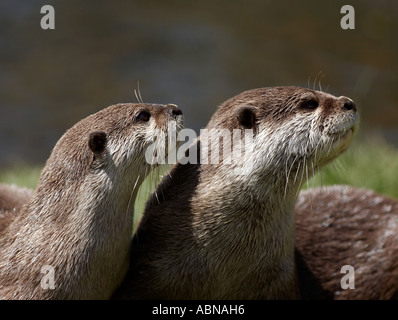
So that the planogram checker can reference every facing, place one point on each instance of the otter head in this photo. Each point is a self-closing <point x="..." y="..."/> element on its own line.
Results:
<point x="113" y="140"/>
<point x="295" y="130"/>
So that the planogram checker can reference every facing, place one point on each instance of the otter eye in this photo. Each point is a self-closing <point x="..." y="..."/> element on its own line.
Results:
<point x="144" y="116"/>
<point x="309" y="104"/>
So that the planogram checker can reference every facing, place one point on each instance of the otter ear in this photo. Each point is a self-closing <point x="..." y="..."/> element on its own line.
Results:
<point x="97" y="142"/>
<point x="246" y="117"/>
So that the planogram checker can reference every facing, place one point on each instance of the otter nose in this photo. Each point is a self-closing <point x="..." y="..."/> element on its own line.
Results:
<point x="349" y="105"/>
<point x="174" y="110"/>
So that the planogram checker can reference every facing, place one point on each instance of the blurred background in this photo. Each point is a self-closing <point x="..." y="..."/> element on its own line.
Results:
<point x="195" y="54"/>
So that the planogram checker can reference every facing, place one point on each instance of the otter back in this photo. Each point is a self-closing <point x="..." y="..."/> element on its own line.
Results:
<point x="345" y="226"/>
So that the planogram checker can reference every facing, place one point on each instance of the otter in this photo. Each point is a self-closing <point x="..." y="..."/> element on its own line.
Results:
<point x="71" y="240"/>
<point x="340" y="226"/>
<point x="12" y="198"/>
<point x="210" y="231"/>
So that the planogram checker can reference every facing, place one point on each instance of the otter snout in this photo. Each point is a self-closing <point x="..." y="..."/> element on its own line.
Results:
<point x="348" y="116"/>
<point x="348" y="104"/>
<point x="173" y="110"/>
<point x="169" y="112"/>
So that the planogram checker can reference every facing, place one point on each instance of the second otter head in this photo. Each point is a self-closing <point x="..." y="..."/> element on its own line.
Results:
<point x="132" y="130"/>
<point x="114" y="139"/>
<point x="294" y="129"/>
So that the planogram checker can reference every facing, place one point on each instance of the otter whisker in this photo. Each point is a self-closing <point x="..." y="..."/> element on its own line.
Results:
<point x="329" y="147"/>
<point x="310" y="197"/>
<point x="313" y="169"/>
<point x="326" y="91"/>
<point x="316" y="78"/>
<point x="137" y="93"/>
<point x="316" y="150"/>
<point x="319" y="82"/>
<point x="297" y="171"/>
<point x="156" y="180"/>
<point x="302" y="174"/>
<point x="288" y="173"/>
<point x="136" y="96"/>
<point x="306" y="172"/>
<point x="338" y="167"/>
<point x="132" y="195"/>
<point x="155" y="192"/>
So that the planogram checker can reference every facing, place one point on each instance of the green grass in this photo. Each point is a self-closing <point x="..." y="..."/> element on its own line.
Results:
<point x="146" y="188"/>
<point x="21" y="175"/>
<point x="370" y="163"/>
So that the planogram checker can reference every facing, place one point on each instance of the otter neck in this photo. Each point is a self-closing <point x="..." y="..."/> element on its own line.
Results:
<point x="84" y="246"/>
<point x="267" y="203"/>
<point x="261" y="238"/>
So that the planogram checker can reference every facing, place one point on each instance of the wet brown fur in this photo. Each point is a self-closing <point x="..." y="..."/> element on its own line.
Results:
<point x="342" y="225"/>
<point x="79" y="219"/>
<point x="206" y="234"/>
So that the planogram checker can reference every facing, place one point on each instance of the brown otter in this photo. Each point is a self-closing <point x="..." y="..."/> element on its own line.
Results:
<point x="341" y="225"/>
<point x="210" y="232"/>
<point x="75" y="231"/>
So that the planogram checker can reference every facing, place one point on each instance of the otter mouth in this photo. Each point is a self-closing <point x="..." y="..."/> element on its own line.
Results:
<point x="342" y="139"/>
<point x="346" y="132"/>
<point x="338" y="143"/>
<point x="343" y="135"/>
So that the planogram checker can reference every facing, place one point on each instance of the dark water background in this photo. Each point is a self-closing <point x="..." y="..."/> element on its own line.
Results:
<point x="195" y="54"/>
